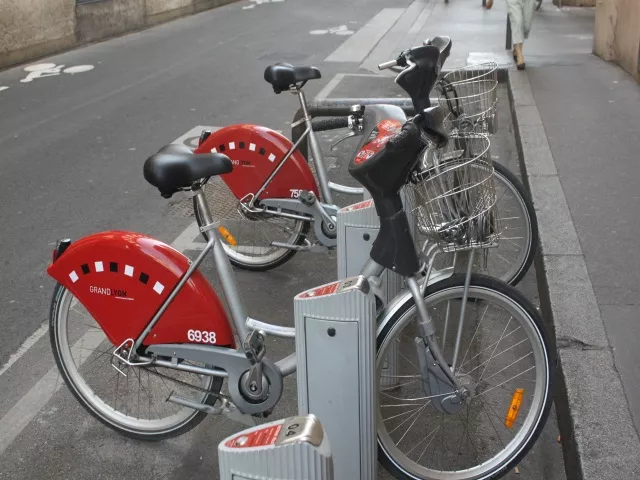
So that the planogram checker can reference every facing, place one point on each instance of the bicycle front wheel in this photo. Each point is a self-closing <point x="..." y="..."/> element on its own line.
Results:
<point x="505" y="359"/>
<point x="511" y="259"/>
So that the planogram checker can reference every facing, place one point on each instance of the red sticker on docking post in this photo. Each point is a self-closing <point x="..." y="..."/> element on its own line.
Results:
<point x="258" y="438"/>
<point x="358" y="206"/>
<point x="320" y="291"/>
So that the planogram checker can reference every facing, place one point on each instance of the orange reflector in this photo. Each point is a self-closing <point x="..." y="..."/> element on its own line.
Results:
<point x="514" y="408"/>
<point x="227" y="236"/>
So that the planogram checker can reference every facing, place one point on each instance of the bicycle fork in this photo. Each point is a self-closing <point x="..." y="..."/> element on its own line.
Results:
<point x="439" y="381"/>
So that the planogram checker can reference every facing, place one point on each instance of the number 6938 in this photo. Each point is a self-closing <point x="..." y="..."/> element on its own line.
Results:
<point x="201" y="336"/>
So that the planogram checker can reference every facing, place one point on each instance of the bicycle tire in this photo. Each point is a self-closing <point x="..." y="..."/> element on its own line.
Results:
<point x="90" y="402"/>
<point x="519" y="268"/>
<point x="510" y="294"/>
<point x="258" y="267"/>
<point x="533" y="220"/>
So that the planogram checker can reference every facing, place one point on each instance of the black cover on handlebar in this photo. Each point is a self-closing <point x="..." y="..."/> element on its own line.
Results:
<point x="383" y="175"/>
<point x="443" y="44"/>
<point x="418" y="80"/>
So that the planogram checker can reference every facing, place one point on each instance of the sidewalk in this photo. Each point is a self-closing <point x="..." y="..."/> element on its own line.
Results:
<point x="576" y="119"/>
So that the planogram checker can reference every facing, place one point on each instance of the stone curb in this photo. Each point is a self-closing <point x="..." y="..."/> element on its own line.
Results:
<point x="600" y="441"/>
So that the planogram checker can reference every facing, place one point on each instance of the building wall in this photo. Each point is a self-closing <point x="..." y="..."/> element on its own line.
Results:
<point x="33" y="28"/>
<point x="155" y="7"/>
<point x="106" y="18"/>
<point x="617" y="33"/>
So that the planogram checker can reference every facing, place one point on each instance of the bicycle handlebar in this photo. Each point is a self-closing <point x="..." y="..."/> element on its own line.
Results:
<point x="332" y="123"/>
<point x="389" y="64"/>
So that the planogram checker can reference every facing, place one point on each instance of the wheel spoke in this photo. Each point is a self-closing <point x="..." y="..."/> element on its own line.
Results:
<point x="497" y="355"/>
<point x="506" y="381"/>
<point x="494" y="350"/>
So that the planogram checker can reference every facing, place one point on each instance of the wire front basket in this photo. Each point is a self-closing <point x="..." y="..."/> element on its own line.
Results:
<point x="453" y="196"/>
<point x="469" y="96"/>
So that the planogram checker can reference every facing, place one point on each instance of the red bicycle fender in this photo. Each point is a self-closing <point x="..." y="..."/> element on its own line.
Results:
<point x="122" y="279"/>
<point x="255" y="152"/>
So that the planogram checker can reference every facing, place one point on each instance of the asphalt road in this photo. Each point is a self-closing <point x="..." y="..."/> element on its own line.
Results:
<point x="71" y="152"/>
<point x="72" y="145"/>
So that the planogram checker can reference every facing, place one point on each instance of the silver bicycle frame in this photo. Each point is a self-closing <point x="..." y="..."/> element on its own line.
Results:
<point x="326" y="187"/>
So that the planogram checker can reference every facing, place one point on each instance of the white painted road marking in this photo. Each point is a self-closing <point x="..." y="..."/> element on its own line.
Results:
<point x="32" y="402"/>
<point x="28" y="343"/>
<point x="51" y="69"/>
<point x="260" y="2"/>
<point x="39" y="67"/>
<point x="190" y="138"/>
<point x="340" y="30"/>
<point x="356" y="48"/>
<point x="78" y="69"/>
<point x="4" y="88"/>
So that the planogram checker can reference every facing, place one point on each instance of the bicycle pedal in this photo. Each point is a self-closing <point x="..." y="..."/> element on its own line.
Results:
<point x="254" y="347"/>
<point x="265" y="414"/>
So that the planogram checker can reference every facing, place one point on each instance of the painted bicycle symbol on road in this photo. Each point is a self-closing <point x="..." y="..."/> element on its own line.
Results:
<point x="42" y="70"/>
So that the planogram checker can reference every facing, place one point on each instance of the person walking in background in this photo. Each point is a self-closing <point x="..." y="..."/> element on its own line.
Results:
<point x="521" y="18"/>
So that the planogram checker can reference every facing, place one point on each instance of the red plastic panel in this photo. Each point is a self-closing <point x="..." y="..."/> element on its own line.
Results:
<point x="122" y="278"/>
<point x="386" y="130"/>
<point x="255" y="152"/>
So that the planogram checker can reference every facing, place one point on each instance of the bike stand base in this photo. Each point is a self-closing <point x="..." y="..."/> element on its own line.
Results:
<point x="358" y="227"/>
<point x="290" y="449"/>
<point x="336" y="355"/>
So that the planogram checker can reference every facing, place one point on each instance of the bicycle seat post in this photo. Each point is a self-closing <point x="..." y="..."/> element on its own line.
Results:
<point x="315" y="145"/>
<point x="297" y="90"/>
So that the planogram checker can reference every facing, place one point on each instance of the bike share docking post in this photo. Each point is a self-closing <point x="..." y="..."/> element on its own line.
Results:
<point x="358" y="227"/>
<point x="336" y="356"/>
<point x="295" y="448"/>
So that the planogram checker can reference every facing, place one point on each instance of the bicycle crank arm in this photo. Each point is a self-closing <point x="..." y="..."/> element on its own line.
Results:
<point x="308" y="247"/>
<point x="233" y="362"/>
<point x="227" y="409"/>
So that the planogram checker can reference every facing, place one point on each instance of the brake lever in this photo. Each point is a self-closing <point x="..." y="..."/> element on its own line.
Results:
<point x="355" y="126"/>
<point x="352" y="134"/>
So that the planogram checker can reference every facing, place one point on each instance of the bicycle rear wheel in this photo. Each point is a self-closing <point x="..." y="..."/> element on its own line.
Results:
<point x="135" y="405"/>
<point x="253" y="233"/>
<point x="505" y="354"/>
